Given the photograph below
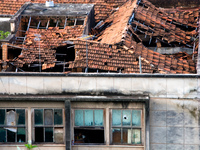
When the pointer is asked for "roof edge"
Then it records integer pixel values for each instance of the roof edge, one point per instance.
(57, 74)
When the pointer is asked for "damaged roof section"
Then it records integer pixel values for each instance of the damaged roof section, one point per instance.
(41, 40)
(122, 43)
(128, 27)
(108, 57)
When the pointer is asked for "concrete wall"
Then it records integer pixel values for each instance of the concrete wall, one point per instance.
(155, 86)
(174, 124)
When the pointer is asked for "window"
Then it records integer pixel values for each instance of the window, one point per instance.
(48, 125)
(126, 126)
(12, 125)
(88, 126)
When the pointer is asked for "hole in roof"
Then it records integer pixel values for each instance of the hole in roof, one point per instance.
(110, 56)
(105, 63)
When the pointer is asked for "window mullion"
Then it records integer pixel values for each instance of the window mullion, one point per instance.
(121, 126)
(43, 126)
(84, 117)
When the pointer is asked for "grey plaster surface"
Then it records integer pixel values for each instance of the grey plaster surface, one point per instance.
(35, 9)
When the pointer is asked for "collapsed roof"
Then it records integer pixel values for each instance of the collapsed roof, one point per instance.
(121, 43)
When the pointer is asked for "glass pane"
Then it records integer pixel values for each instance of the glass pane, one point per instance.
(48, 134)
(39, 134)
(38, 116)
(11, 118)
(126, 118)
(2, 135)
(48, 117)
(116, 117)
(116, 135)
(21, 135)
(88, 117)
(10, 136)
(21, 115)
(78, 117)
(2, 116)
(136, 117)
(58, 117)
(58, 135)
(98, 115)
(126, 136)
(136, 136)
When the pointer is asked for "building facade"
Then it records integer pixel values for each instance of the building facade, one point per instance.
(99, 111)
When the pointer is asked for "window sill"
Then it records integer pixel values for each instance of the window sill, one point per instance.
(39, 145)
(110, 146)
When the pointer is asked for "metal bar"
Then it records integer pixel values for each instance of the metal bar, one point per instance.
(57, 23)
(47, 24)
(75, 22)
(38, 24)
(29, 22)
(24, 39)
(21, 30)
(16, 47)
(65, 23)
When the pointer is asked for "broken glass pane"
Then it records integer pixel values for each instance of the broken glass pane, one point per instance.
(126, 118)
(116, 135)
(116, 117)
(21, 135)
(136, 136)
(2, 135)
(11, 118)
(88, 117)
(78, 117)
(48, 117)
(136, 118)
(10, 136)
(38, 116)
(58, 117)
(2, 116)
(126, 133)
(98, 115)
(58, 135)
(48, 134)
(21, 116)
(39, 134)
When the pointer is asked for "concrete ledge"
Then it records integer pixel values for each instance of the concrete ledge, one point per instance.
(58, 74)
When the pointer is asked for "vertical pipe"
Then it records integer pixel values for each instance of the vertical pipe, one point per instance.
(86, 70)
(39, 58)
(140, 64)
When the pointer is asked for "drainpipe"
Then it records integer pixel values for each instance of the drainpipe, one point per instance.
(140, 64)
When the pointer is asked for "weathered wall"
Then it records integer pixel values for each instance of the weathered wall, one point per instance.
(174, 124)
(155, 86)
(175, 3)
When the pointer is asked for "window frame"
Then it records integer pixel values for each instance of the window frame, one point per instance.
(88, 127)
(141, 127)
(47, 126)
(25, 126)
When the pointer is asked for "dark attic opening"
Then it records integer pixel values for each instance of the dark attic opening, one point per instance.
(64, 54)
